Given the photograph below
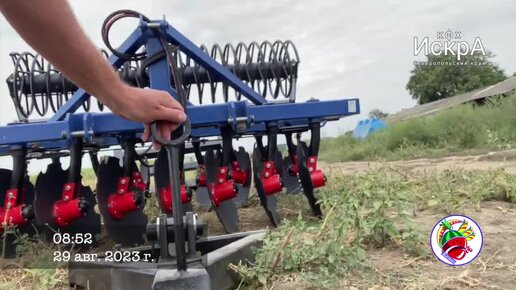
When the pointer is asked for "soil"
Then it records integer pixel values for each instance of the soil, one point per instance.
(494, 268)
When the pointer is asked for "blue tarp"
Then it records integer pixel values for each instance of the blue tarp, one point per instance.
(366, 127)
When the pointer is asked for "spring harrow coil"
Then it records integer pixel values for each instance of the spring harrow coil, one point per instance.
(36, 86)
(270, 68)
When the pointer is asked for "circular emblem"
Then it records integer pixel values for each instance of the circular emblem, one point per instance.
(456, 240)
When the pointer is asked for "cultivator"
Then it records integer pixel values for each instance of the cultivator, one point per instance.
(228, 92)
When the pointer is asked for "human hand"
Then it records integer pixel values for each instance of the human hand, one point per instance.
(147, 106)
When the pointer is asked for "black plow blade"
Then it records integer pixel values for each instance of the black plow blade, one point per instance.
(268, 202)
(306, 180)
(226, 211)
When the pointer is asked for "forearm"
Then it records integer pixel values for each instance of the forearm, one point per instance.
(50, 27)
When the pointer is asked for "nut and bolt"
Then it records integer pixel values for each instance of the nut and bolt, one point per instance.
(268, 165)
(221, 180)
(121, 191)
(222, 171)
(66, 198)
(122, 181)
(267, 174)
(68, 187)
(10, 195)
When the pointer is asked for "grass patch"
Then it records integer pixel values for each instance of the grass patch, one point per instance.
(365, 212)
(459, 130)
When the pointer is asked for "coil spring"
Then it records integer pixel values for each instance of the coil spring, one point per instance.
(30, 94)
(270, 68)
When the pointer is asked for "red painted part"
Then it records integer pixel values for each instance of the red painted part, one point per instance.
(223, 189)
(270, 178)
(317, 176)
(121, 203)
(11, 213)
(293, 169)
(65, 212)
(272, 184)
(239, 176)
(123, 200)
(12, 217)
(201, 177)
(138, 181)
(165, 194)
(67, 209)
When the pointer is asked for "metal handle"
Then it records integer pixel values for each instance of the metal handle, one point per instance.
(174, 142)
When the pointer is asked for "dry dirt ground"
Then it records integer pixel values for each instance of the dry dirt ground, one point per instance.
(495, 268)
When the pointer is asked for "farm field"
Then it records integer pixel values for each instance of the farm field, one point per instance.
(380, 251)
(375, 232)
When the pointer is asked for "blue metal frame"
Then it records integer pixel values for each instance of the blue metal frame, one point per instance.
(206, 120)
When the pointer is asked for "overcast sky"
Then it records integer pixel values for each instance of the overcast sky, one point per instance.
(358, 49)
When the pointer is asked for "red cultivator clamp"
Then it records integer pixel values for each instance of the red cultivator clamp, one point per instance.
(316, 175)
(69, 208)
(125, 200)
(16, 211)
(165, 196)
(271, 180)
(239, 175)
(223, 189)
(13, 213)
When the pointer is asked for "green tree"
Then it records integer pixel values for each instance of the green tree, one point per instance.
(378, 114)
(448, 77)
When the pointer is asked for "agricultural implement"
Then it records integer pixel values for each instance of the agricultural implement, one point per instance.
(228, 92)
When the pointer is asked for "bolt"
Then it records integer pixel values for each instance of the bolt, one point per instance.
(9, 206)
(310, 169)
(267, 174)
(222, 171)
(121, 191)
(221, 180)
(68, 187)
(268, 165)
(139, 180)
(11, 195)
(66, 198)
(122, 181)
(312, 160)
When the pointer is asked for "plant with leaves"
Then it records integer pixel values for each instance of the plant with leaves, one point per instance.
(446, 77)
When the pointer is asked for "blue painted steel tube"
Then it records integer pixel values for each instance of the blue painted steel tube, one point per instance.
(206, 116)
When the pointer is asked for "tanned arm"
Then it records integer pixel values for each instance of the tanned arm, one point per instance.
(50, 27)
